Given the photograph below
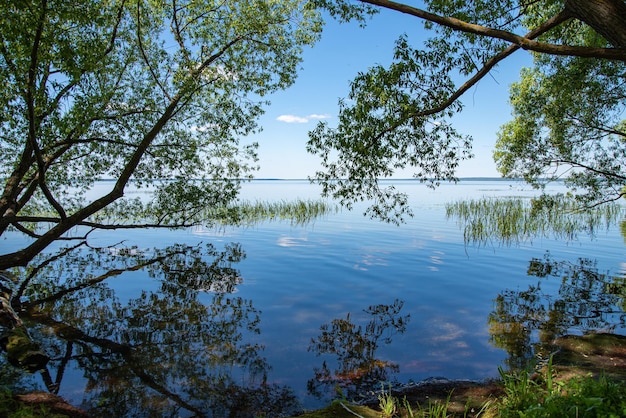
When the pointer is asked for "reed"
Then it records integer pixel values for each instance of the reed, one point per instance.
(247, 213)
(511, 221)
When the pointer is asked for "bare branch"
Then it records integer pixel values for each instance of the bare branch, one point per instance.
(24, 230)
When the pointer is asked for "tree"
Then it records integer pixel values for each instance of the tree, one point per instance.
(567, 124)
(400, 116)
(137, 91)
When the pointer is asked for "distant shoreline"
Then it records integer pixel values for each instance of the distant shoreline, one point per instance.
(407, 179)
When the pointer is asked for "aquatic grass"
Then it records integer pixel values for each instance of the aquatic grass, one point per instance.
(235, 213)
(511, 221)
(247, 213)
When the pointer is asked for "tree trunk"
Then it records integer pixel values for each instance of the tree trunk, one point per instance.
(607, 17)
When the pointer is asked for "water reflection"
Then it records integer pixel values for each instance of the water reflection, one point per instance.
(587, 301)
(165, 351)
(184, 343)
(354, 346)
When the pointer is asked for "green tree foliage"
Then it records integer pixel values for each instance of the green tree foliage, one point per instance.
(137, 91)
(568, 124)
(567, 108)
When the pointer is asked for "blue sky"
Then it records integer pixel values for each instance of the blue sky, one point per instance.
(328, 68)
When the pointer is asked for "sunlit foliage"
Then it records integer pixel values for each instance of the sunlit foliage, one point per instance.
(567, 110)
(138, 92)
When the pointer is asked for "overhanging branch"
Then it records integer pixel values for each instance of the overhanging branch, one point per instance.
(603, 173)
(482, 72)
(97, 225)
(521, 41)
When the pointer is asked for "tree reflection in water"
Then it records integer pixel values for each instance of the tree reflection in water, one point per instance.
(355, 346)
(587, 301)
(165, 352)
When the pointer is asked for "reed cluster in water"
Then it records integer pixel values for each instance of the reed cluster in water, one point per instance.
(514, 220)
(298, 212)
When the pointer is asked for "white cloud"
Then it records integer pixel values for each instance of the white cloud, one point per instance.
(292, 119)
(301, 119)
(316, 116)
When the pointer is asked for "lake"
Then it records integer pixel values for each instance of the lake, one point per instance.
(272, 318)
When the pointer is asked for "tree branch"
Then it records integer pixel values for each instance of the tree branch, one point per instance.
(489, 65)
(24, 255)
(145, 56)
(59, 96)
(33, 118)
(603, 173)
(521, 41)
(95, 225)
(605, 201)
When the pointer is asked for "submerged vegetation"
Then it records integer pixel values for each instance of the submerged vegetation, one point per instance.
(515, 220)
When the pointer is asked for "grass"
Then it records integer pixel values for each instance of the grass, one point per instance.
(525, 395)
(545, 396)
(388, 404)
(434, 409)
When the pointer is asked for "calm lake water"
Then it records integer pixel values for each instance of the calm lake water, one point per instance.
(278, 315)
